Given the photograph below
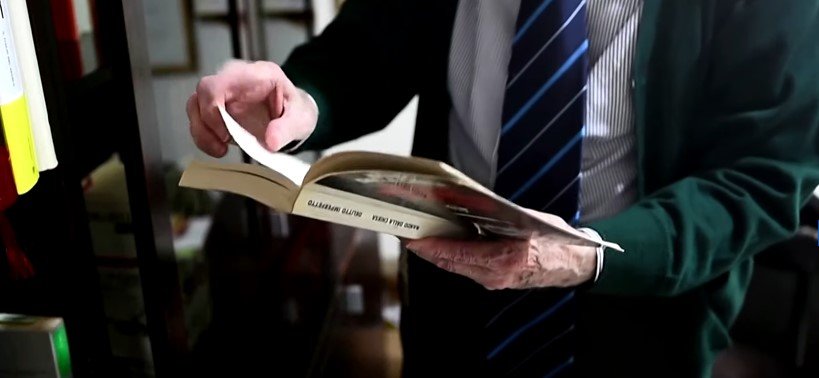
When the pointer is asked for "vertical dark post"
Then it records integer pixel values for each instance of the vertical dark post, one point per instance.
(53, 217)
(122, 42)
(309, 20)
(235, 23)
(258, 37)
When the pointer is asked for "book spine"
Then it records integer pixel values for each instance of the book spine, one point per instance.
(32, 84)
(349, 209)
(14, 109)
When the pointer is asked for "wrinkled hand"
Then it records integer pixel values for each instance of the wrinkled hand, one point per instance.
(260, 97)
(511, 264)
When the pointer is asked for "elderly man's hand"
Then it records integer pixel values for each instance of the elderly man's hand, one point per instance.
(511, 264)
(260, 97)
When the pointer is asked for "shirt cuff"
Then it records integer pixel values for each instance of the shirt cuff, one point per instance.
(600, 255)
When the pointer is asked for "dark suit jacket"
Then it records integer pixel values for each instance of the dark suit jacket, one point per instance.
(726, 100)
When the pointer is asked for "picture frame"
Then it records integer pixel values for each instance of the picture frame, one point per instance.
(172, 47)
(283, 6)
(206, 9)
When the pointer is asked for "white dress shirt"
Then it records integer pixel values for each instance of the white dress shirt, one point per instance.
(479, 56)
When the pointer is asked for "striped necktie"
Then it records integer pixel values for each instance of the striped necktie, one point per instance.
(531, 333)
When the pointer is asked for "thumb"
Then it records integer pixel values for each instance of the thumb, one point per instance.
(296, 123)
(277, 134)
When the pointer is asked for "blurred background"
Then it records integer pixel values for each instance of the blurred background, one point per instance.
(153, 280)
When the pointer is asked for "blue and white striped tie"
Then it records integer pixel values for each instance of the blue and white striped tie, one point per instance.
(531, 333)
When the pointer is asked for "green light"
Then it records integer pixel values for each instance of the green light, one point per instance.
(59, 340)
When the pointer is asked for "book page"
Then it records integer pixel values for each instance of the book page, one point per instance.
(289, 166)
(462, 203)
(414, 184)
(253, 181)
(377, 161)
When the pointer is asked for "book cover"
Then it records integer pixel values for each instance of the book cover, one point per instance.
(32, 85)
(404, 196)
(14, 110)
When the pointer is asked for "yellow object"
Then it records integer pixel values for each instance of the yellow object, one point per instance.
(32, 84)
(17, 130)
(14, 111)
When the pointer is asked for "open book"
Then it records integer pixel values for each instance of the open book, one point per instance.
(408, 197)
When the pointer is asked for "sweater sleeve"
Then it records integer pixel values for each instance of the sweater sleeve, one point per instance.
(763, 93)
(359, 70)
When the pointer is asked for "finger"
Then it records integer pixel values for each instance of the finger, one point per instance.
(503, 254)
(277, 102)
(203, 137)
(256, 82)
(250, 81)
(279, 131)
(483, 276)
(208, 143)
(211, 94)
(295, 123)
(449, 249)
(236, 82)
(475, 272)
